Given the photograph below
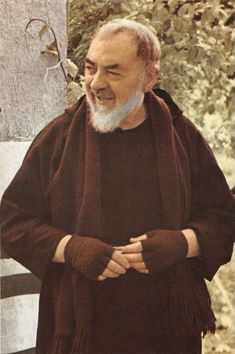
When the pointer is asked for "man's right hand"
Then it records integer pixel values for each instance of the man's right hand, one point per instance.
(94, 258)
(116, 266)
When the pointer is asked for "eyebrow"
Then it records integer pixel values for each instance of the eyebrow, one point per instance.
(89, 61)
(113, 66)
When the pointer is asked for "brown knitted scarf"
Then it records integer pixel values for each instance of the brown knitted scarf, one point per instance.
(184, 303)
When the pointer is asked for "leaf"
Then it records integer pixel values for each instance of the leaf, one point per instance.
(52, 46)
(161, 13)
(53, 52)
(43, 30)
(226, 321)
(223, 348)
(172, 5)
(183, 10)
(74, 91)
(72, 68)
(193, 53)
(207, 16)
(211, 108)
(220, 13)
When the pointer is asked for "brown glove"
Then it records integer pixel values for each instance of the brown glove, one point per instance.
(163, 248)
(88, 255)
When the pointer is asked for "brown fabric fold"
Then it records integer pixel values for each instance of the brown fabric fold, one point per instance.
(89, 221)
(73, 316)
(173, 165)
(183, 299)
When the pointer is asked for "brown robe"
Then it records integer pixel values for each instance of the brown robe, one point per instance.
(57, 192)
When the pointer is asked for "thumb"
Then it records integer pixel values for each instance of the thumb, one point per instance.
(139, 238)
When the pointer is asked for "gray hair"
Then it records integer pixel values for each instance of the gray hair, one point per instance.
(148, 47)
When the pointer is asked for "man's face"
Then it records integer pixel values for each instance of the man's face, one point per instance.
(113, 73)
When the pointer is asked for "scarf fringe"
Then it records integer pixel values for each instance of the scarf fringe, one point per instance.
(187, 312)
(60, 345)
(193, 313)
(76, 344)
(80, 344)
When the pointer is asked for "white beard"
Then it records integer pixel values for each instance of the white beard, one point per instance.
(107, 122)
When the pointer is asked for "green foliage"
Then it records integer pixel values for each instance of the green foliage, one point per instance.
(197, 63)
(84, 19)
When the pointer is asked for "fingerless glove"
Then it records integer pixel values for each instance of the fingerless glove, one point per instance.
(163, 248)
(88, 255)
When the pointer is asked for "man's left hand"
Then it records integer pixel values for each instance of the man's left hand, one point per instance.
(133, 252)
(156, 251)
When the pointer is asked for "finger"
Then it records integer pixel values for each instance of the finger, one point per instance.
(115, 267)
(118, 248)
(139, 238)
(134, 257)
(138, 265)
(109, 274)
(101, 277)
(146, 271)
(133, 248)
(120, 259)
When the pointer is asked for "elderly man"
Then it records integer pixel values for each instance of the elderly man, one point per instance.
(121, 210)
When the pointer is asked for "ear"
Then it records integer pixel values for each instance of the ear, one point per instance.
(151, 77)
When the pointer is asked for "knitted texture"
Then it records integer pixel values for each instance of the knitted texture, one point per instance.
(88, 255)
(164, 248)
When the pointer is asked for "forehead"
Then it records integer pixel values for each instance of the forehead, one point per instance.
(119, 49)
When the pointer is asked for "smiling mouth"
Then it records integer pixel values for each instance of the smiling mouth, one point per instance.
(100, 98)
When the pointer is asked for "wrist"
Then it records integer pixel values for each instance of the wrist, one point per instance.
(59, 252)
(193, 245)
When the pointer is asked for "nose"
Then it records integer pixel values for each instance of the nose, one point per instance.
(98, 81)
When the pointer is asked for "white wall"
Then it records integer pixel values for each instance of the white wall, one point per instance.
(27, 102)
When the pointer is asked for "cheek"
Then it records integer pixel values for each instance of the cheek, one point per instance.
(87, 81)
(125, 92)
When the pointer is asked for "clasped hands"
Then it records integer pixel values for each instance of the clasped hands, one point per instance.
(125, 257)
(148, 253)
